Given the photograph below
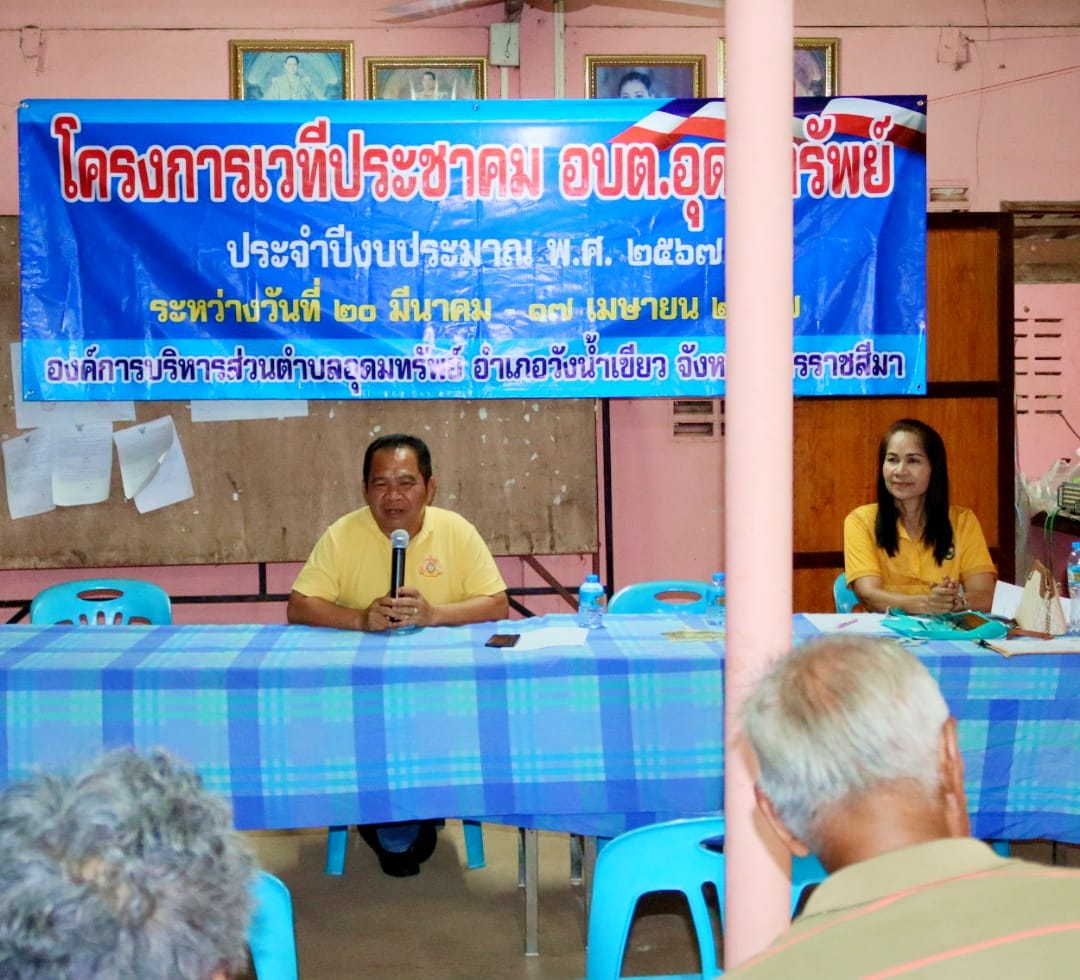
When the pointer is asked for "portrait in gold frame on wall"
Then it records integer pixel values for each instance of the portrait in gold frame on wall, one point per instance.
(291, 70)
(425, 79)
(645, 76)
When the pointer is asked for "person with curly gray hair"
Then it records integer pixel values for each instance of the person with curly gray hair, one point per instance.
(129, 870)
(859, 762)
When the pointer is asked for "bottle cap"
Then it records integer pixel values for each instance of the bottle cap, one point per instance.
(592, 578)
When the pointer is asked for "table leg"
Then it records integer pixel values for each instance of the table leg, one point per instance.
(532, 887)
(588, 867)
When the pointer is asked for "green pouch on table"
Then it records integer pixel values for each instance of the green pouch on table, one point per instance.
(948, 626)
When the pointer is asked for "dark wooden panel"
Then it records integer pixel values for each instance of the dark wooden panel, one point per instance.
(970, 371)
(962, 270)
(845, 433)
(523, 471)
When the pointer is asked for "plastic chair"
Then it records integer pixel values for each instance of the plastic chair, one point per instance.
(97, 601)
(679, 856)
(661, 596)
(337, 839)
(271, 937)
(664, 857)
(844, 598)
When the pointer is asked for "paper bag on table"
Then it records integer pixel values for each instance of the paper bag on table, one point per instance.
(1040, 609)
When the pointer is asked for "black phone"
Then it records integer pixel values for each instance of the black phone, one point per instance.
(502, 639)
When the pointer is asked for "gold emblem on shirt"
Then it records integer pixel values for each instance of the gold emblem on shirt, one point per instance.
(430, 567)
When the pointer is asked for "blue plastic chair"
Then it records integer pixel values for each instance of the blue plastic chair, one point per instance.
(843, 597)
(661, 596)
(337, 839)
(271, 937)
(97, 601)
(676, 856)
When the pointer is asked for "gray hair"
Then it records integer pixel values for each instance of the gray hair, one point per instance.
(130, 870)
(838, 716)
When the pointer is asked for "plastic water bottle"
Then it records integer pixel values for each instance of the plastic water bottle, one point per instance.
(591, 603)
(1074, 588)
(716, 601)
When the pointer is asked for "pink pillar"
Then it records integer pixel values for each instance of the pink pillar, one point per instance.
(758, 470)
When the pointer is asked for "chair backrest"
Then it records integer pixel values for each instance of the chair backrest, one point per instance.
(661, 596)
(97, 601)
(844, 599)
(663, 857)
(271, 937)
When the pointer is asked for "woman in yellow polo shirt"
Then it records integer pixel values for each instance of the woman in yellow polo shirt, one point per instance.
(912, 550)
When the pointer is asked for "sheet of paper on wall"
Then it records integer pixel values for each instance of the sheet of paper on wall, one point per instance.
(28, 474)
(152, 464)
(31, 415)
(239, 409)
(81, 462)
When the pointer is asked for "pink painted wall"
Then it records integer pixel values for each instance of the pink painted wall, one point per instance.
(997, 75)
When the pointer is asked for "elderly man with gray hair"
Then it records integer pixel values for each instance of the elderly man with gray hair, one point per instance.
(128, 871)
(859, 763)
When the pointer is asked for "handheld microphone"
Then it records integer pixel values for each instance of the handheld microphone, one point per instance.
(399, 541)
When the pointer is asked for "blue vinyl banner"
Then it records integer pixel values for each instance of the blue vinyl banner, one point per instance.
(385, 249)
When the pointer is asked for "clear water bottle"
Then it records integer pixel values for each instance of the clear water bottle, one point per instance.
(1074, 588)
(591, 603)
(716, 601)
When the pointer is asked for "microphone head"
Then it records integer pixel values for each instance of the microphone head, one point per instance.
(399, 538)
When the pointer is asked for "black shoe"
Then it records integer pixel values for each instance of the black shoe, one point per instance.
(426, 838)
(398, 864)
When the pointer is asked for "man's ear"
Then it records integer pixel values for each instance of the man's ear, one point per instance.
(951, 776)
(432, 486)
(787, 838)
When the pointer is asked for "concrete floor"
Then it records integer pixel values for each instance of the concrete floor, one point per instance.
(450, 922)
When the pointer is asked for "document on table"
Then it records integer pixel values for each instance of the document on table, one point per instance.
(152, 465)
(1027, 645)
(849, 623)
(552, 636)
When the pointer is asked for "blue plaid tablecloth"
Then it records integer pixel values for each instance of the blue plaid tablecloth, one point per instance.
(313, 727)
(308, 727)
(1018, 724)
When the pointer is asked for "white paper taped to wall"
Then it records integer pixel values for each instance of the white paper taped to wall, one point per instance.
(152, 464)
(28, 474)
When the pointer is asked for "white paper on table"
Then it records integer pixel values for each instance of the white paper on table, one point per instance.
(152, 465)
(1007, 598)
(864, 623)
(28, 474)
(81, 462)
(30, 415)
(1025, 645)
(553, 636)
(238, 409)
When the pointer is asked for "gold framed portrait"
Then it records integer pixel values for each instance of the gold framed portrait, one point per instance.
(291, 70)
(645, 76)
(425, 79)
(817, 66)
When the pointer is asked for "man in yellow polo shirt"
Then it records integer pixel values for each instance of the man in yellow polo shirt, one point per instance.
(450, 576)
(859, 763)
(450, 579)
